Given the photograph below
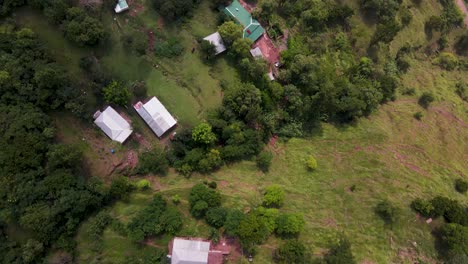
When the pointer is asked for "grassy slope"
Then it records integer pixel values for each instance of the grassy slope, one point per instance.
(390, 155)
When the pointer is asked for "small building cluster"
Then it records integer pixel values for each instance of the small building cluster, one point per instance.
(118, 129)
(121, 6)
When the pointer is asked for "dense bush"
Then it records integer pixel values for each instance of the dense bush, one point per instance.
(168, 48)
(216, 217)
(233, 219)
(153, 161)
(203, 198)
(289, 224)
(175, 9)
(311, 163)
(385, 10)
(81, 28)
(273, 196)
(263, 160)
(447, 61)
(230, 32)
(453, 238)
(117, 94)
(203, 134)
(423, 207)
(461, 185)
(426, 99)
(291, 251)
(143, 184)
(340, 253)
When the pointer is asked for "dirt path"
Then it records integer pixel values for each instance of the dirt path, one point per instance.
(464, 10)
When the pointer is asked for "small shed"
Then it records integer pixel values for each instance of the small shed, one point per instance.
(113, 124)
(216, 40)
(156, 116)
(121, 6)
(256, 53)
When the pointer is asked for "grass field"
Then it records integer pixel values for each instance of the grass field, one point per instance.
(389, 155)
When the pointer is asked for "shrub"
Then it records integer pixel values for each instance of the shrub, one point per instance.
(426, 99)
(418, 115)
(447, 61)
(169, 48)
(203, 134)
(117, 94)
(274, 196)
(264, 160)
(153, 161)
(292, 251)
(289, 224)
(462, 90)
(461, 185)
(409, 91)
(453, 237)
(176, 199)
(216, 217)
(387, 212)
(423, 207)
(143, 184)
(199, 209)
(440, 205)
(311, 163)
(202, 198)
(340, 253)
(120, 188)
(233, 219)
(213, 185)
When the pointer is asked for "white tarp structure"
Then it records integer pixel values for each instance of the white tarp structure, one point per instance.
(121, 6)
(115, 127)
(189, 251)
(256, 53)
(156, 116)
(216, 40)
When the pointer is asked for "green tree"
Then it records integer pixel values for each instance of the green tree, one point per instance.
(216, 217)
(241, 47)
(81, 28)
(32, 250)
(461, 185)
(252, 231)
(202, 198)
(203, 134)
(173, 9)
(230, 31)
(273, 196)
(289, 224)
(115, 93)
(426, 99)
(143, 184)
(263, 160)
(311, 163)
(423, 207)
(61, 156)
(153, 161)
(340, 253)
(291, 251)
(454, 238)
(208, 50)
(233, 219)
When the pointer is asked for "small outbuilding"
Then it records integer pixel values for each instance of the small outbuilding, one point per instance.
(256, 53)
(113, 124)
(216, 40)
(121, 6)
(156, 116)
(197, 251)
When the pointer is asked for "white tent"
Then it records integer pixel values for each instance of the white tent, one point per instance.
(115, 127)
(189, 251)
(217, 41)
(156, 116)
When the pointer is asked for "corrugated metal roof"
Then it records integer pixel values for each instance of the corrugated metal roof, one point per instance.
(217, 41)
(156, 116)
(113, 125)
(189, 251)
(252, 28)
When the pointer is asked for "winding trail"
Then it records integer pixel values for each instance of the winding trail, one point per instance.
(464, 10)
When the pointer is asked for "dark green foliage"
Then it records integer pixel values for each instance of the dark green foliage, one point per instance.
(116, 93)
(418, 115)
(461, 185)
(136, 42)
(230, 32)
(175, 9)
(216, 217)
(274, 196)
(139, 89)
(289, 224)
(252, 230)
(208, 50)
(426, 99)
(62, 156)
(454, 240)
(203, 198)
(120, 188)
(243, 102)
(168, 48)
(153, 161)
(81, 28)
(384, 10)
(462, 90)
(452, 211)
(387, 212)
(233, 219)
(213, 185)
(155, 219)
(447, 60)
(406, 16)
(423, 207)
(291, 251)
(263, 160)
(340, 253)
(97, 226)
(461, 45)
(386, 31)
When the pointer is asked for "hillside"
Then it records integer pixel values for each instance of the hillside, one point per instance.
(373, 146)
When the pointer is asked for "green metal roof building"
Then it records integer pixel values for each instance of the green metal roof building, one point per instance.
(252, 28)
